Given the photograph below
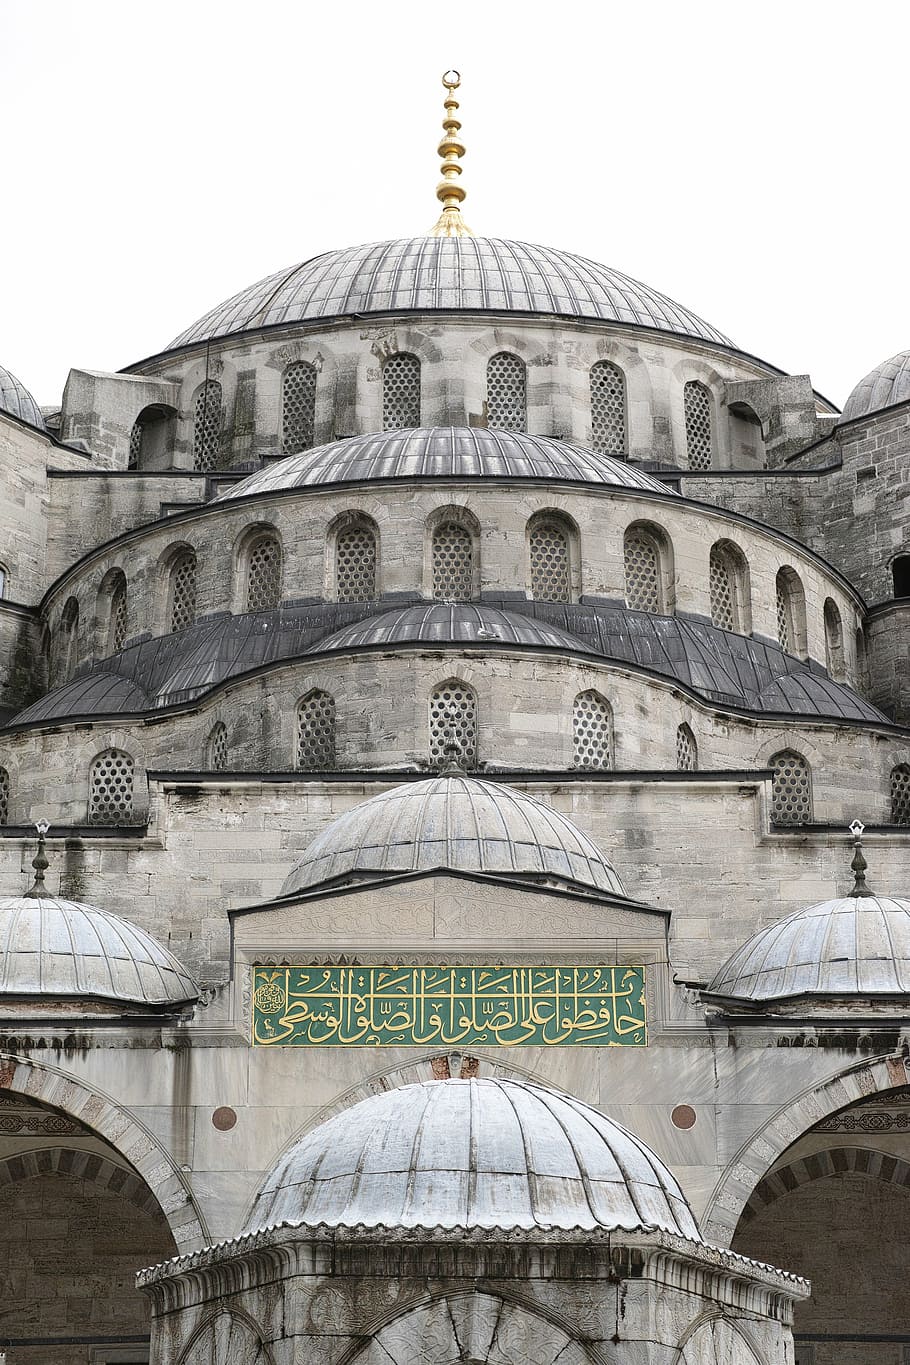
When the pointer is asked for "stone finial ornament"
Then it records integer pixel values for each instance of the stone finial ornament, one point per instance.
(39, 863)
(449, 192)
(858, 865)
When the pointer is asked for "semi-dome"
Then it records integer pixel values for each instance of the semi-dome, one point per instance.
(445, 453)
(887, 384)
(52, 949)
(473, 1154)
(16, 400)
(458, 824)
(447, 274)
(466, 623)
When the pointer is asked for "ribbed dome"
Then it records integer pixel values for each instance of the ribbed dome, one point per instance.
(445, 452)
(857, 945)
(53, 948)
(456, 823)
(422, 274)
(888, 383)
(16, 399)
(447, 623)
(473, 1154)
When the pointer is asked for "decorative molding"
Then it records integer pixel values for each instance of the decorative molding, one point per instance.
(820, 1166)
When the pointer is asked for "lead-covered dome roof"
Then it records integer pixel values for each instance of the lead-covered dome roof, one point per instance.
(16, 400)
(445, 452)
(458, 824)
(887, 384)
(447, 274)
(484, 1153)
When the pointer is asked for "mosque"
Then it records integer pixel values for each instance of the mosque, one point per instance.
(454, 818)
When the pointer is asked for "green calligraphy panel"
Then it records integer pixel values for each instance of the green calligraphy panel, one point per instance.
(601, 1006)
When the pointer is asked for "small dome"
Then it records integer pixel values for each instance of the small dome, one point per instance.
(16, 400)
(445, 453)
(473, 1154)
(459, 824)
(447, 623)
(857, 945)
(887, 384)
(447, 274)
(53, 948)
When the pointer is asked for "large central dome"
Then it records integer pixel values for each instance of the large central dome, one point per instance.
(446, 274)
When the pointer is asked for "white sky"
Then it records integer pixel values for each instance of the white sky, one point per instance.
(748, 160)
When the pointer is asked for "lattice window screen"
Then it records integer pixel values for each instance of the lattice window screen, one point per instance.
(453, 563)
(642, 566)
(316, 732)
(4, 797)
(784, 633)
(401, 391)
(183, 592)
(791, 789)
(135, 454)
(207, 426)
(110, 799)
(298, 408)
(506, 392)
(698, 425)
(723, 591)
(592, 731)
(67, 641)
(217, 748)
(686, 750)
(355, 565)
(117, 634)
(834, 640)
(548, 548)
(608, 409)
(453, 713)
(900, 795)
(263, 584)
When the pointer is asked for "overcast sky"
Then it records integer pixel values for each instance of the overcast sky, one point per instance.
(748, 160)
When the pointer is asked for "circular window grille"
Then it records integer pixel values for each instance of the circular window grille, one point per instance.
(608, 409)
(698, 425)
(900, 795)
(548, 547)
(642, 565)
(783, 619)
(506, 401)
(592, 731)
(135, 454)
(110, 800)
(453, 563)
(791, 790)
(401, 391)
(263, 587)
(453, 718)
(298, 408)
(4, 797)
(217, 748)
(316, 732)
(118, 618)
(183, 592)
(207, 426)
(686, 750)
(355, 565)
(723, 610)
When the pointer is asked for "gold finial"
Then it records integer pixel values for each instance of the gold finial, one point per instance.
(450, 194)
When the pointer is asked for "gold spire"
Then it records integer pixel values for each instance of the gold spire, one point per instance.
(450, 194)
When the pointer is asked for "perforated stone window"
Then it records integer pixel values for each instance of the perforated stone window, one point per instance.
(207, 426)
(183, 591)
(117, 632)
(791, 789)
(453, 563)
(453, 718)
(834, 640)
(900, 795)
(66, 651)
(642, 568)
(401, 391)
(592, 731)
(697, 402)
(316, 732)
(784, 634)
(686, 750)
(548, 548)
(355, 564)
(135, 454)
(263, 584)
(217, 748)
(110, 797)
(723, 591)
(506, 392)
(4, 797)
(608, 409)
(298, 408)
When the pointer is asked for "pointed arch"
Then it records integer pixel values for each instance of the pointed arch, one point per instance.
(400, 391)
(592, 731)
(263, 569)
(207, 426)
(507, 403)
(648, 564)
(453, 714)
(353, 544)
(791, 788)
(900, 794)
(216, 748)
(699, 424)
(729, 588)
(553, 557)
(110, 788)
(315, 742)
(181, 591)
(608, 409)
(298, 407)
(454, 555)
(834, 641)
(686, 749)
(790, 602)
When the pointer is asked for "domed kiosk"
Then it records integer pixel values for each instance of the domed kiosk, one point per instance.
(887, 384)
(16, 400)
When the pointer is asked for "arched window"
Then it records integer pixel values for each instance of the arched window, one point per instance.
(182, 592)
(263, 575)
(608, 409)
(862, 677)
(355, 563)
(699, 440)
(791, 789)
(900, 794)
(401, 391)
(453, 562)
(791, 611)
(548, 553)
(4, 580)
(728, 574)
(506, 392)
(67, 651)
(110, 791)
(135, 454)
(207, 418)
(686, 750)
(592, 731)
(316, 732)
(116, 632)
(900, 576)
(453, 720)
(216, 751)
(298, 407)
(834, 640)
(642, 555)
(4, 797)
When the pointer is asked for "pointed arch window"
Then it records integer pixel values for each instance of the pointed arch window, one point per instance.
(686, 750)
(453, 719)
(263, 577)
(4, 581)
(834, 640)
(67, 644)
(728, 577)
(298, 407)
(110, 798)
(507, 392)
(608, 409)
(216, 748)
(643, 557)
(699, 435)
(207, 422)
(182, 594)
(355, 563)
(548, 552)
(116, 635)
(790, 600)
(791, 789)
(315, 748)
(453, 563)
(4, 796)
(401, 391)
(592, 731)
(900, 794)
(134, 458)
